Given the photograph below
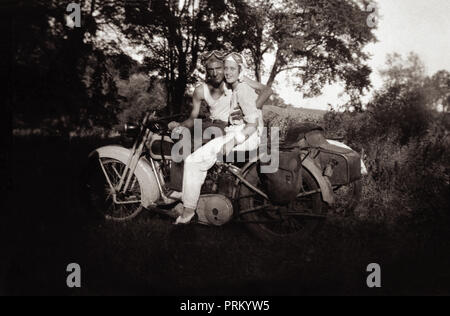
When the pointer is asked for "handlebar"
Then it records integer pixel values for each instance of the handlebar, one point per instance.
(167, 118)
(154, 125)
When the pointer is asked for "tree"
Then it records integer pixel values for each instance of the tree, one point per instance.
(139, 93)
(438, 91)
(51, 64)
(410, 73)
(402, 106)
(318, 41)
(400, 71)
(173, 34)
(400, 111)
(75, 68)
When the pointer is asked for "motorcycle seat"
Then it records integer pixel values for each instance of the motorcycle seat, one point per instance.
(297, 132)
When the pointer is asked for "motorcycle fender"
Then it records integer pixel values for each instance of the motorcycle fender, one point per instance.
(144, 172)
(324, 182)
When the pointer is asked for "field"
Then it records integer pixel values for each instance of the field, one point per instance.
(45, 227)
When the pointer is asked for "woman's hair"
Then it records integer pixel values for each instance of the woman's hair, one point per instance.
(239, 60)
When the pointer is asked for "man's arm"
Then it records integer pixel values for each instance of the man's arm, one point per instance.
(196, 104)
(264, 91)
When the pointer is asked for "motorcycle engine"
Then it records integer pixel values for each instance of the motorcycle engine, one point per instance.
(214, 209)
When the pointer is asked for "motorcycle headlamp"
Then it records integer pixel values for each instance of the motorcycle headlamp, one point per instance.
(131, 130)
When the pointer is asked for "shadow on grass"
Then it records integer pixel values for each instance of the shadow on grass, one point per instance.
(46, 228)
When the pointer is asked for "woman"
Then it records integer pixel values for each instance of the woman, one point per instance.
(247, 131)
(243, 134)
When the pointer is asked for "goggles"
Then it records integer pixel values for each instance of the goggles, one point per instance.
(216, 53)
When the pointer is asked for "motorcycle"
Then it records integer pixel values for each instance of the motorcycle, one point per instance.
(122, 182)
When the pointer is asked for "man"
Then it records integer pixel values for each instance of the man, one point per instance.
(217, 96)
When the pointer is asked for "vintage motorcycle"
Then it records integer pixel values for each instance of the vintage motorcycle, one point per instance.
(121, 182)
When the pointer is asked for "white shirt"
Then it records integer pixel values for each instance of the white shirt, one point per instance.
(220, 108)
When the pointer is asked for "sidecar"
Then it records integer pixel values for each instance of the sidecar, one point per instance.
(340, 164)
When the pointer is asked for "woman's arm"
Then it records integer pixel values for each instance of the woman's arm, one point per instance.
(240, 137)
(247, 99)
(264, 91)
(249, 129)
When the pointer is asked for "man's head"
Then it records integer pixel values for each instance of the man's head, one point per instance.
(213, 62)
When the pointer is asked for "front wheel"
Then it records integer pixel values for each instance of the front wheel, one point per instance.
(100, 192)
(300, 218)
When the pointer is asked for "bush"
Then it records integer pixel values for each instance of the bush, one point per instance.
(139, 95)
(427, 170)
(408, 165)
(401, 110)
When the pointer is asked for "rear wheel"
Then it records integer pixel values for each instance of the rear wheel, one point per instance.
(298, 219)
(100, 193)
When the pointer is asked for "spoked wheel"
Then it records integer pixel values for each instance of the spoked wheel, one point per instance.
(100, 194)
(298, 219)
(347, 198)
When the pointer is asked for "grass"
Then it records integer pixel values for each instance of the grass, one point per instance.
(45, 228)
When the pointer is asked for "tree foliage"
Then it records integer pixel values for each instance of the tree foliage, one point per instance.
(401, 111)
(399, 71)
(172, 35)
(410, 73)
(404, 108)
(137, 92)
(73, 73)
(437, 90)
(318, 41)
(60, 76)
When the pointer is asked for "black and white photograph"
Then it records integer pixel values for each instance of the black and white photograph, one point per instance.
(225, 152)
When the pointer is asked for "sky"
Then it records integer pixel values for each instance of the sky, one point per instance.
(420, 26)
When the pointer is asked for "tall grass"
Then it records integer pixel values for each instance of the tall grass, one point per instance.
(404, 179)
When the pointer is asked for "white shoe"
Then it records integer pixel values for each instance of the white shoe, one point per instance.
(175, 195)
(184, 219)
(176, 211)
